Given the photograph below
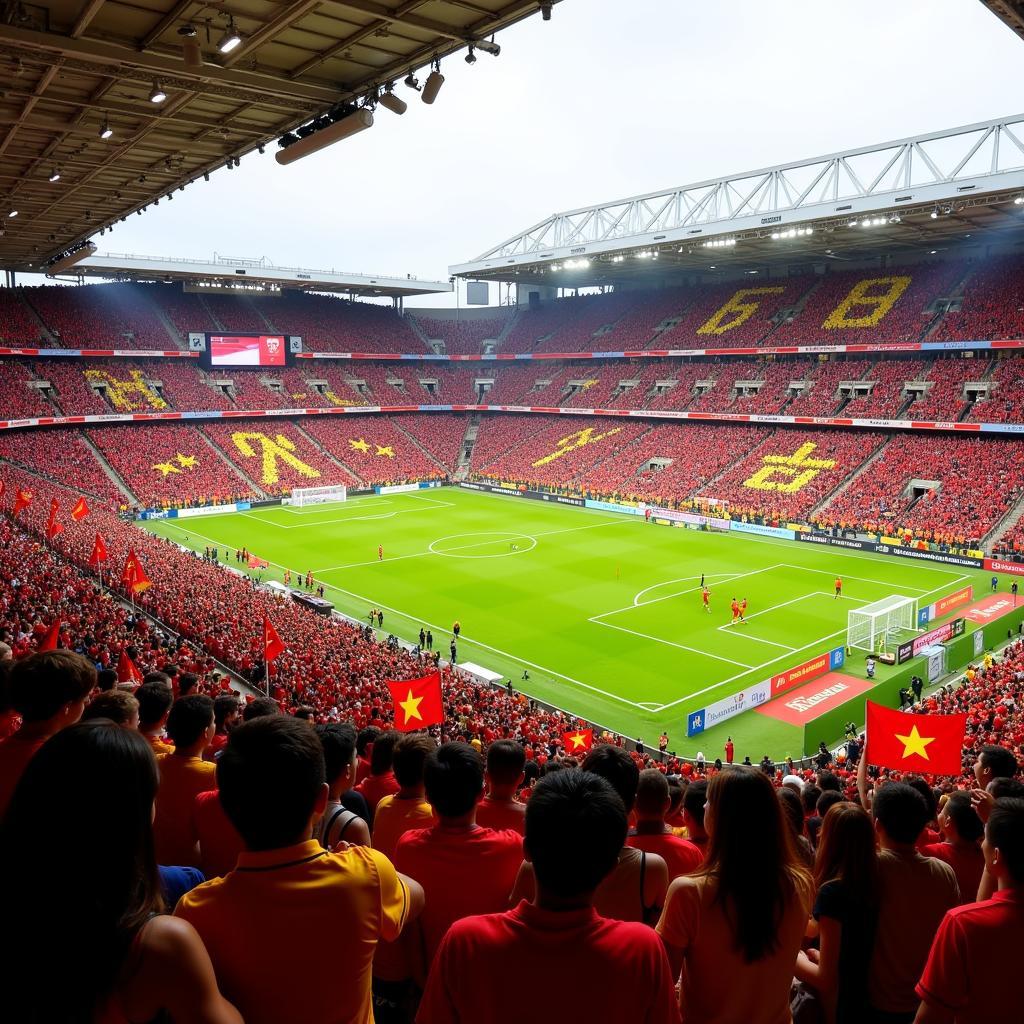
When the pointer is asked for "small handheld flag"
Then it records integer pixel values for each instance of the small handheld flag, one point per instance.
(417, 702)
(53, 527)
(51, 638)
(127, 670)
(134, 576)
(579, 741)
(80, 511)
(22, 499)
(272, 645)
(915, 743)
(99, 552)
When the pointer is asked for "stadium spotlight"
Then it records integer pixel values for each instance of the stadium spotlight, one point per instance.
(13, 213)
(390, 101)
(106, 131)
(432, 86)
(1018, 201)
(231, 39)
(357, 121)
(545, 9)
(895, 218)
(157, 95)
(470, 56)
(935, 213)
(488, 46)
(412, 81)
(55, 175)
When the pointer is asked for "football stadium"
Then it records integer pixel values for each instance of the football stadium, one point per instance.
(630, 610)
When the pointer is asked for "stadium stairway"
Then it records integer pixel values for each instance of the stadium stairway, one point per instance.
(507, 329)
(417, 329)
(34, 314)
(165, 320)
(327, 454)
(115, 477)
(249, 482)
(468, 444)
(956, 292)
(209, 312)
(991, 539)
(850, 480)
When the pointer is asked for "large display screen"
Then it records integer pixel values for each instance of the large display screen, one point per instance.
(247, 350)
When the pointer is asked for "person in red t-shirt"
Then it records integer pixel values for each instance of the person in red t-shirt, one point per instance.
(48, 689)
(705, 596)
(219, 841)
(381, 781)
(227, 713)
(971, 973)
(735, 608)
(652, 834)
(464, 869)
(499, 809)
(730, 750)
(491, 967)
(962, 831)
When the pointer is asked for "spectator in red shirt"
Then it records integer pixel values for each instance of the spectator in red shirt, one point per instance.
(227, 713)
(155, 700)
(491, 967)
(464, 869)
(971, 973)
(381, 781)
(120, 958)
(962, 831)
(499, 809)
(48, 690)
(652, 834)
(694, 801)
(364, 749)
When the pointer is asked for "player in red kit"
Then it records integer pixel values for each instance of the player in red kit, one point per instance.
(839, 588)
(705, 596)
(735, 610)
(743, 610)
(380, 552)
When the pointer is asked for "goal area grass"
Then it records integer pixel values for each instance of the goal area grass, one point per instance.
(603, 611)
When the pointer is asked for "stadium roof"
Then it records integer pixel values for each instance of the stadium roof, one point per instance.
(958, 189)
(221, 272)
(1009, 11)
(69, 69)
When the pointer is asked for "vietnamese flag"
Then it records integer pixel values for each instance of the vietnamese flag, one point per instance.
(52, 526)
(127, 670)
(272, 645)
(22, 499)
(134, 576)
(99, 551)
(80, 511)
(915, 743)
(417, 702)
(257, 563)
(580, 740)
(48, 641)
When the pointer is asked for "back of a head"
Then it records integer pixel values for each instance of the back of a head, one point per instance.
(106, 679)
(829, 798)
(365, 739)
(792, 809)
(42, 684)
(270, 777)
(261, 707)
(615, 766)
(829, 781)
(190, 717)
(505, 762)
(964, 817)
(901, 811)
(155, 700)
(187, 683)
(751, 853)
(117, 705)
(927, 794)
(454, 779)
(155, 676)
(846, 851)
(1003, 787)
(383, 752)
(338, 740)
(224, 706)
(652, 795)
(411, 752)
(809, 797)
(694, 800)
(1000, 761)
(1005, 833)
(107, 780)
(575, 829)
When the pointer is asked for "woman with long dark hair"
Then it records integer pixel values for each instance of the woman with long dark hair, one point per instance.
(84, 933)
(845, 912)
(734, 928)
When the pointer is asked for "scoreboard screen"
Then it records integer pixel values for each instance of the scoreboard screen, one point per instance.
(227, 350)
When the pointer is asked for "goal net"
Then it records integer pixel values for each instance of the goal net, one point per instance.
(872, 627)
(318, 495)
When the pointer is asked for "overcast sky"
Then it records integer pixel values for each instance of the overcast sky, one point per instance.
(608, 99)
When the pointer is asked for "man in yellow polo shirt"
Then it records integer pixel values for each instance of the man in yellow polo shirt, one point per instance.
(292, 930)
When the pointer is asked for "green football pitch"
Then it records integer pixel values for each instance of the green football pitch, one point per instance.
(602, 610)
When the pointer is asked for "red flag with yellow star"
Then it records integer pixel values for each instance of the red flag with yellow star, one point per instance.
(127, 670)
(134, 576)
(80, 511)
(22, 499)
(53, 525)
(273, 646)
(915, 743)
(579, 741)
(417, 702)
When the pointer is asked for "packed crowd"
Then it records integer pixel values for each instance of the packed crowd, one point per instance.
(462, 336)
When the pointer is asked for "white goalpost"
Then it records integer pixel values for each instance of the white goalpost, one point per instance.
(872, 627)
(318, 495)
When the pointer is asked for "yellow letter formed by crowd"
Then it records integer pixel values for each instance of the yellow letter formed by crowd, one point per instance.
(578, 440)
(739, 309)
(797, 470)
(860, 308)
(274, 450)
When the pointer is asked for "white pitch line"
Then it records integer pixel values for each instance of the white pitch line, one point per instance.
(672, 643)
(717, 578)
(860, 579)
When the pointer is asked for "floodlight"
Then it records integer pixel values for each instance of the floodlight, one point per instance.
(157, 95)
(432, 86)
(231, 39)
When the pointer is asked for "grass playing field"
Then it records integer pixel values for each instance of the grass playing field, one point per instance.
(602, 610)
